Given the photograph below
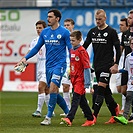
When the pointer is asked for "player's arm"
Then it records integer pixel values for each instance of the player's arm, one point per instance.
(114, 68)
(87, 77)
(122, 43)
(117, 47)
(67, 40)
(87, 71)
(126, 68)
(33, 51)
(37, 47)
(87, 41)
(68, 43)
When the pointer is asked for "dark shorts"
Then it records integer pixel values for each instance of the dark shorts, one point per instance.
(124, 78)
(103, 76)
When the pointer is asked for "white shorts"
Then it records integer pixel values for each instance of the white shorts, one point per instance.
(118, 79)
(41, 76)
(65, 81)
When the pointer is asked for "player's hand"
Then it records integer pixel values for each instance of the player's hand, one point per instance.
(21, 65)
(91, 90)
(114, 69)
(22, 60)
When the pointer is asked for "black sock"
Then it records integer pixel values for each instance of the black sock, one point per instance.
(111, 104)
(99, 100)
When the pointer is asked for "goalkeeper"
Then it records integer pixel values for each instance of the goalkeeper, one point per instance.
(56, 38)
(43, 91)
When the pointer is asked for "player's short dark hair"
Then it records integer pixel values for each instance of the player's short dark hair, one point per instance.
(70, 20)
(77, 34)
(124, 19)
(130, 12)
(41, 22)
(56, 12)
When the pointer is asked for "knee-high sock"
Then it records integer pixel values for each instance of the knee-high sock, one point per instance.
(66, 96)
(110, 102)
(128, 103)
(123, 102)
(61, 102)
(132, 108)
(99, 100)
(52, 103)
(47, 97)
(41, 98)
(94, 95)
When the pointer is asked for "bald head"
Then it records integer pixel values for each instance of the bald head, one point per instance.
(101, 12)
(100, 17)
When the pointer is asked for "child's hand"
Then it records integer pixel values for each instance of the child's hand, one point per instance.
(91, 90)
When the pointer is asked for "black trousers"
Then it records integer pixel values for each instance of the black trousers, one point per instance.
(82, 101)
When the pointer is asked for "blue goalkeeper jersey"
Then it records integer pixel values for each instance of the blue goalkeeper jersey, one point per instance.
(55, 42)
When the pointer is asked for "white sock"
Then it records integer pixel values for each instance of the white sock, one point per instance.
(123, 102)
(47, 99)
(41, 98)
(66, 96)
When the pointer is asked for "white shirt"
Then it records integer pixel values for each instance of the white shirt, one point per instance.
(41, 58)
(129, 68)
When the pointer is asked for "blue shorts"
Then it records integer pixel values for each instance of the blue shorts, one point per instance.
(55, 75)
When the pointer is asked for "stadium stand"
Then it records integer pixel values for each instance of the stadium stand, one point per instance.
(77, 2)
(66, 3)
(63, 2)
(128, 2)
(117, 3)
(90, 3)
(103, 2)
(17, 3)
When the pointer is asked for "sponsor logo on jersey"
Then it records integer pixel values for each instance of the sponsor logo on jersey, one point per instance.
(72, 55)
(103, 74)
(56, 77)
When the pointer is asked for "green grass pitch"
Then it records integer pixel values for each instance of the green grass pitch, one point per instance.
(16, 109)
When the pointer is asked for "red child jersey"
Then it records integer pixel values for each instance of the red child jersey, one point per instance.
(78, 62)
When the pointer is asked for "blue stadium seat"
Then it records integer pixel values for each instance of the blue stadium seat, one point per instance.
(128, 2)
(77, 2)
(117, 3)
(90, 2)
(103, 3)
(54, 2)
(63, 2)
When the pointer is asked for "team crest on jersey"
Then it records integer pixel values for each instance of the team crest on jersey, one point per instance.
(59, 36)
(105, 34)
(77, 58)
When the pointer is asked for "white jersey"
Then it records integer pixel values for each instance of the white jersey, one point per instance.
(129, 68)
(120, 36)
(41, 59)
(120, 66)
(122, 55)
